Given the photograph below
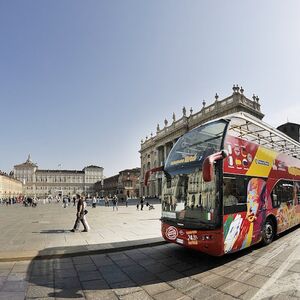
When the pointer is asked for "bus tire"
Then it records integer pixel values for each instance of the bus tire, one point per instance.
(268, 232)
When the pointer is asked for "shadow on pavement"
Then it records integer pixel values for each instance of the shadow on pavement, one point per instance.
(106, 275)
(52, 231)
(113, 273)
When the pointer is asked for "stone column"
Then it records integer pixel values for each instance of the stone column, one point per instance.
(165, 152)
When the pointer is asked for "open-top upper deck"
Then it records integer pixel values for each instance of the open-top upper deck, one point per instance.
(247, 127)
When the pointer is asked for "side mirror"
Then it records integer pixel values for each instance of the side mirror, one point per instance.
(150, 172)
(207, 167)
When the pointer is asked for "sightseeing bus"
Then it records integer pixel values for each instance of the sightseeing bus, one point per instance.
(228, 184)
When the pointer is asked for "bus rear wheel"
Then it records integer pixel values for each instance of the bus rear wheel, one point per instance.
(268, 232)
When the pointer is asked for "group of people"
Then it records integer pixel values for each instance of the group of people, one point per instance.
(28, 201)
(9, 201)
(139, 204)
(114, 201)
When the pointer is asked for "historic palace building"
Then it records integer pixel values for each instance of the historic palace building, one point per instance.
(52, 183)
(10, 187)
(154, 150)
(124, 185)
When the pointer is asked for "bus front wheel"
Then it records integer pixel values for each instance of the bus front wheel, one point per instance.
(268, 232)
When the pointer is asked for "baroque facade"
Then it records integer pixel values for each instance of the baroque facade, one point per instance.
(124, 185)
(10, 187)
(51, 183)
(154, 150)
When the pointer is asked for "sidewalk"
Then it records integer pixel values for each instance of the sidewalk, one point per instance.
(44, 231)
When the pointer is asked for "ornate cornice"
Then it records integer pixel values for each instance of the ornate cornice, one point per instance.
(233, 103)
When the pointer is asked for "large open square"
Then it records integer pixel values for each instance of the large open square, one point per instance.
(150, 150)
(26, 231)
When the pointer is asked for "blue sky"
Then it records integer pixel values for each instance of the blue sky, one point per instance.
(82, 82)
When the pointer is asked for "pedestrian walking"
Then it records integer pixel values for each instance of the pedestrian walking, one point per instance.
(142, 202)
(94, 202)
(34, 202)
(65, 203)
(81, 215)
(106, 203)
(115, 202)
(126, 201)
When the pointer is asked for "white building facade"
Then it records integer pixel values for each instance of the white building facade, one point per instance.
(52, 183)
(10, 187)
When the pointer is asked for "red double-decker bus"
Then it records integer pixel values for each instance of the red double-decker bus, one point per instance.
(229, 184)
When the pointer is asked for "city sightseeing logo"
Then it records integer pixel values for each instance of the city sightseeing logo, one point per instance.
(171, 233)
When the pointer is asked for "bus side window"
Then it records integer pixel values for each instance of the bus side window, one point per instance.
(235, 190)
(276, 195)
(288, 192)
(229, 191)
(242, 183)
(282, 193)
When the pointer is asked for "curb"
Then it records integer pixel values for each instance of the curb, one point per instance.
(62, 252)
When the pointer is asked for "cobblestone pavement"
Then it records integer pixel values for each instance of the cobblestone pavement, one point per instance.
(160, 272)
(163, 272)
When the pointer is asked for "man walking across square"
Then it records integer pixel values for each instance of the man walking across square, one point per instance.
(80, 215)
(115, 202)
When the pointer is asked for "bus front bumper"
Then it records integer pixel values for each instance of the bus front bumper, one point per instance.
(207, 241)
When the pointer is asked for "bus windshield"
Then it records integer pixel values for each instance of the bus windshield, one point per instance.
(192, 148)
(186, 199)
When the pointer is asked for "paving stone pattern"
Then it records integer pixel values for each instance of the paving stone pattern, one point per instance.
(153, 273)
(156, 272)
